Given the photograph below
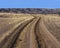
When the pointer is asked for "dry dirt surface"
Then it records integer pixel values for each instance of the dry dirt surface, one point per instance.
(29, 31)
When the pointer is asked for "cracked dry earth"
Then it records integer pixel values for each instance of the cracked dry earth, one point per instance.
(29, 31)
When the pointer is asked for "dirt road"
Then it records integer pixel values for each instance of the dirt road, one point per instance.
(30, 32)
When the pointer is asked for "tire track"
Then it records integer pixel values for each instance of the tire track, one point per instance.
(27, 37)
(48, 40)
(12, 38)
(37, 33)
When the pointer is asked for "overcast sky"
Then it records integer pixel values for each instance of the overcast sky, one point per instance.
(29, 3)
